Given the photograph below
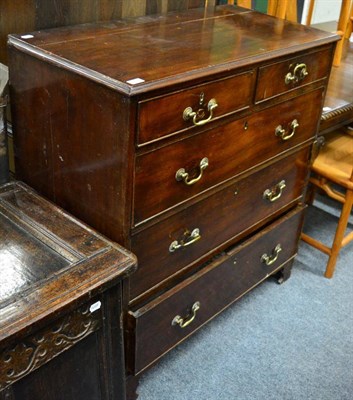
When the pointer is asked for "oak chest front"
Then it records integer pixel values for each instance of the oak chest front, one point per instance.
(60, 303)
(186, 138)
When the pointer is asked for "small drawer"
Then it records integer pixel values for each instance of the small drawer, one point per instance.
(295, 72)
(166, 321)
(179, 171)
(165, 115)
(163, 249)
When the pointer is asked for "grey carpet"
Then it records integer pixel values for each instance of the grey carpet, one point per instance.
(279, 342)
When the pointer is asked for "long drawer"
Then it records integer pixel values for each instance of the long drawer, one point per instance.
(163, 323)
(166, 247)
(229, 150)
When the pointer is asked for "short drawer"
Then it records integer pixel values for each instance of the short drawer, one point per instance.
(164, 248)
(162, 116)
(292, 73)
(229, 150)
(166, 321)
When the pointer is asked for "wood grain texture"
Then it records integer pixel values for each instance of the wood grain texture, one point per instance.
(91, 165)
(231, 149)
(215, 287)
(97, 146)
(15, 17)
(36, 350)
(238, 209)
(33, 15)
(153, 125)
(272, 80)
(92, 368)
(47, 269)
(176, 54)
(60, 303)
(338, 106)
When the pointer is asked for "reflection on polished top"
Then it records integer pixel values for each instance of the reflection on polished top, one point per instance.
(15, 259)
(48, 258)
(147, 52)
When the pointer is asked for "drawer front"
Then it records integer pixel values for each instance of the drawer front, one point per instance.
(290, 74)
(163, 116)
(229, 149)
(206, 225)
(209, 291)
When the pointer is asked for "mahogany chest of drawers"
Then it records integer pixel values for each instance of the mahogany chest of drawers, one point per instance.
(60, 303)
(184, 137)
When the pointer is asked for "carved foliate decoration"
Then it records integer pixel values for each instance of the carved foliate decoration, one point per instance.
(35, 350)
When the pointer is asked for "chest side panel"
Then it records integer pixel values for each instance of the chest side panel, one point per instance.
(73, 142)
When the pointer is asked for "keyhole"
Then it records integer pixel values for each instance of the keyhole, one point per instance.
(202, 98)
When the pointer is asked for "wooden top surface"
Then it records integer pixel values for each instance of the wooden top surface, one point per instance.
(169, 49)
(48, 259)
(340, 87)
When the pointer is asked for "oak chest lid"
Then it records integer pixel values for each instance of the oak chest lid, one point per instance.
(49, 260)
(137, 55)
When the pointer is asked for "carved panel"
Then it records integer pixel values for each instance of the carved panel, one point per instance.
(37, 349)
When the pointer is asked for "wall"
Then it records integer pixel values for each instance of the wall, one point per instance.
(324, 11)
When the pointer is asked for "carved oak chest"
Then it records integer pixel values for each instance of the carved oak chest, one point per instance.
(186, 138)
(60, 303)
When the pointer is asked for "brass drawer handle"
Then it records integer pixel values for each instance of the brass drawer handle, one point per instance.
(274, 193)
(299, 73)
(189, 113)
(282, 133)
(270, 259)
(182, 175)
(184, 322)
(190, 238)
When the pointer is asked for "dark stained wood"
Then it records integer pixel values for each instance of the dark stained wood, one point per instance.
(32, 15)
(272, 78)
(177, 53)
(78, 382)
(79, 251)
(153, 124)
(284, 274)
(228, 213)
(54, 269)
(338, 107)
(231, 149)
(215, 287)
(16, 16)
(97, 146)
(91, 165)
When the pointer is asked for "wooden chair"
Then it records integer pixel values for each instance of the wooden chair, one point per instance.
(344, 26)
(333, 173)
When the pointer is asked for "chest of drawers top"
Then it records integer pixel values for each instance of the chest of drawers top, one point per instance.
(135, 56)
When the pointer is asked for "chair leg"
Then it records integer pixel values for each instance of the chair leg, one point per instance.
(341, 30)
(340, 231)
